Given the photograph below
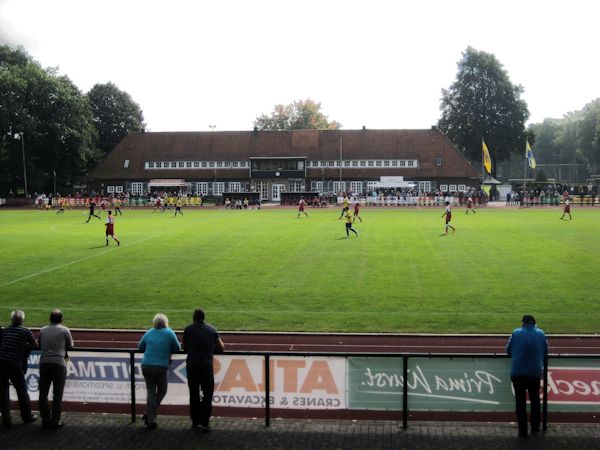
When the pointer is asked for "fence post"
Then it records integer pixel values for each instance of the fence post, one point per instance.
(545, 395)
(405, 392)
(267, 390)
(132, 383)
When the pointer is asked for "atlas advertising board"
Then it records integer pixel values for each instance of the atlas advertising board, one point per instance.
(434, 384)
(295, 382)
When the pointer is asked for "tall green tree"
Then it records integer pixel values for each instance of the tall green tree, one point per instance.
(589, 135)
(299, 115)
(53, 119)
(483, 103)
(115, 114)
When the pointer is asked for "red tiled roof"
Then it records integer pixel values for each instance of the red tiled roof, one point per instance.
(320, 145)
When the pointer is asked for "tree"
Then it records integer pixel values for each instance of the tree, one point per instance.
(54, 118)
(589, 134)
(115, 115)
(299, 115)
(483, 103)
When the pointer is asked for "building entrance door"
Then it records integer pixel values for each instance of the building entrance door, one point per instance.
(263, 189)
(276, 190)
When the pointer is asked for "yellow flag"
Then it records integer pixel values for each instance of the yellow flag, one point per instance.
(529, 155)
(487, 161)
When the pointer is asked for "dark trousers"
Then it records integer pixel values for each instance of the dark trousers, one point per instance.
(55, 375)
(157, 382)
(10, 372)
(200, 377)
(530, 386)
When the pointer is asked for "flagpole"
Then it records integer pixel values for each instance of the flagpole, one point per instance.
(525, 170)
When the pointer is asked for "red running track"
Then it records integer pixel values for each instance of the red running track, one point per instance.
(362, 343)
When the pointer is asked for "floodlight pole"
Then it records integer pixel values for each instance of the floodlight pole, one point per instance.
(21, 137)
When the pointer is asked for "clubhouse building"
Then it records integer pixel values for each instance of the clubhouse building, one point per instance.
(269, 163)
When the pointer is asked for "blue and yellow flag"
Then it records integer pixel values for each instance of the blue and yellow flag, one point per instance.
(487, 161)
(529, 155)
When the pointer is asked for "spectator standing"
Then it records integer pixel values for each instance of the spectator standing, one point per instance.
(15, 344)
(158, 343)
(201, 341)
(527, 348)
(55, 343)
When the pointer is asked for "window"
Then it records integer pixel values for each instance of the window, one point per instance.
(196, 164)
(125, 164)
(338, 164)
(339, 186)
(378, 163)
(386, 164)
(137, 188)
(331, 163)
(444, 187)
(371, 163)
(346, 163)
(188, 164)
(410, 163)
(462, 188)
(363, 164)
(211, 164)
(118, 189)
(402, 163)
(300, 165)
(394, 163)
(110, 189)
(356, 186)
(439, 161)
(202, 188)
(219, 163)
(204, 164)
(371, 185)
(150, 165)
(234, 186)
(452, 188)
(354, 163)
(234, 164)
(424, 186)
(296, 186)
(316, 186)
(173, 165)
(218, 187)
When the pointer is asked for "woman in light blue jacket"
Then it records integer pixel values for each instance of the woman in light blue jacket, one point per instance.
(158, 344)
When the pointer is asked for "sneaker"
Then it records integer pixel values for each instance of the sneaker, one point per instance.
(30, 419)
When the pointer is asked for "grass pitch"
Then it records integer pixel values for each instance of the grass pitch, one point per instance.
(266, 270)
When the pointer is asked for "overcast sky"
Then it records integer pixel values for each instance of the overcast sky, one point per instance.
(192, 63)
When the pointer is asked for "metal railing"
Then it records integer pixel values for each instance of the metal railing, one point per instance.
(405, 358)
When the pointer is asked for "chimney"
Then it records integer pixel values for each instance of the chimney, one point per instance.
(434, 128)
(364, 128)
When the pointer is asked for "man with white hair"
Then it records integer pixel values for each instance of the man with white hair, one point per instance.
(15, 345)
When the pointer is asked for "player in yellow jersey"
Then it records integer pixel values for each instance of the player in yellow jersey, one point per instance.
(178, 207)
(345, 208)
(349, 224)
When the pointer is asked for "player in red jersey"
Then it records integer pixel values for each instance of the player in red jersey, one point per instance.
(567, 209)
(110, 228)
(448, 215)
(301, 205)
(356, 211)
(470, 205)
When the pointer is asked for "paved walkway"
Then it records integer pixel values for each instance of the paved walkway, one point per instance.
(109, 431)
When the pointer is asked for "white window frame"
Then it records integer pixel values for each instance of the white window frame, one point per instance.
(119, 189)
(347, 163)
(110, 189)
(356, 186)
(126, 164)
(211, 164)
(363, 164)
(354, 163)
(386, 163)
(410, 163)
(235, 186)
(371, 163)
(218, 187)
(339, 186)
(462, 188)
(202, 188)
(424, 186)
(444, 187)
(395, 163)
(317, 186)
(378, 163)
(150, 165)
(203, 164)
(402, 163)
(295, 186)
(137, 187)
(219, 164)
(173, 165)
(371, 185)
(234, 164)
(452, 188)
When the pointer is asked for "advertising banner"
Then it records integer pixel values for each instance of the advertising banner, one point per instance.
(296, 382)
(573, 385)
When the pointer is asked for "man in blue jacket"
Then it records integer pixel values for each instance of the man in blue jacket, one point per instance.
(527, 348)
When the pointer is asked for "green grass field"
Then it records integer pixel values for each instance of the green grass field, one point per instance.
(266, 270)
